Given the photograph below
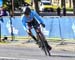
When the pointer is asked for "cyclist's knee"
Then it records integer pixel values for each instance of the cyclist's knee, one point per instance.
(38, 31)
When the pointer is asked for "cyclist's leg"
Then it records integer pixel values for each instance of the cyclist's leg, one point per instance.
(31, 34)
(48, 46)
(39, 31)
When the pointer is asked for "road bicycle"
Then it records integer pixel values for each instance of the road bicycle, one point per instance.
(43, 44)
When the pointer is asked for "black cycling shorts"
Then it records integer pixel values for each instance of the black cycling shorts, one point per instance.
(33, 24)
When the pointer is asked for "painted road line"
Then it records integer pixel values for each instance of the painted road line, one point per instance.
(13, 58)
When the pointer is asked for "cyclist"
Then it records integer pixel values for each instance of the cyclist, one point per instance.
(30, 19)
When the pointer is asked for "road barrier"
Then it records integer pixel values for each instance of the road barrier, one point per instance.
(56, 27)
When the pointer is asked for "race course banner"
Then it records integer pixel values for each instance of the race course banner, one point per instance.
(56, 27)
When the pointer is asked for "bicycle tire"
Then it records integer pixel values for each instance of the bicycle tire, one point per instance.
(46, 50)
(43, 45)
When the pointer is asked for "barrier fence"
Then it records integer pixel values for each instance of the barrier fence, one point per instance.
(56, 27)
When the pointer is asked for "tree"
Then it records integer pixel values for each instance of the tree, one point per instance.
(62, 3)
(69, 3)
(74, 6)
(7, 4)
(36, 6)
(18, 3)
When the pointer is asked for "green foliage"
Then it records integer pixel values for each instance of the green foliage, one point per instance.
(39, 0)
(69, 9)
(16, 3)
(8, 4)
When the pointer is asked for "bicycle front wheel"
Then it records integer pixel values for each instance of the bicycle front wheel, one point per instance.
(43, 45)
(45, 48)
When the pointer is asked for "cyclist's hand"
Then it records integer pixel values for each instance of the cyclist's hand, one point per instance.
(43, 25)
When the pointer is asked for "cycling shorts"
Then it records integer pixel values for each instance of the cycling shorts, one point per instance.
(33, 24)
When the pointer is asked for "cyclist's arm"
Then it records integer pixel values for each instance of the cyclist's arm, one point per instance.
(24, 23)
(39, 18)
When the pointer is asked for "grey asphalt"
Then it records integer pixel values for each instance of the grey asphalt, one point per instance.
(28, 50)
(26, 53)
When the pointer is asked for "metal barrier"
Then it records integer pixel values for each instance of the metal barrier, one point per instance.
(56, 27)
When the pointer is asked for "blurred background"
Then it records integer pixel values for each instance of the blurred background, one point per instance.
(50, 10)
(41, 6)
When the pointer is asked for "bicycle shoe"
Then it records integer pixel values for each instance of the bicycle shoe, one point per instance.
(49, 47)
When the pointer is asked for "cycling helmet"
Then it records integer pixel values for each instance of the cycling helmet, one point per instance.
(27, 11)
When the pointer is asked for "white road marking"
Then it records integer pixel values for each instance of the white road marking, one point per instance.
(12, 58)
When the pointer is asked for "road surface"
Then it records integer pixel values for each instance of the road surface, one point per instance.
(32, 52)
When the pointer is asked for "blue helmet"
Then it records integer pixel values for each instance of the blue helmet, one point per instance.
(27, 11)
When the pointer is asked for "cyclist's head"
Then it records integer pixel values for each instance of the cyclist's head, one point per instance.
(27, 11)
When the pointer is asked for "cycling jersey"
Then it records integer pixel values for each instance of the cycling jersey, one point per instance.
(33, 14)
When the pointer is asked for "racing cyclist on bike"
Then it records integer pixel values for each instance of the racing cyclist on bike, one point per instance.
(30, 19)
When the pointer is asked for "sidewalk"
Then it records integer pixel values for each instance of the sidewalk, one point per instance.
(67, 46)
